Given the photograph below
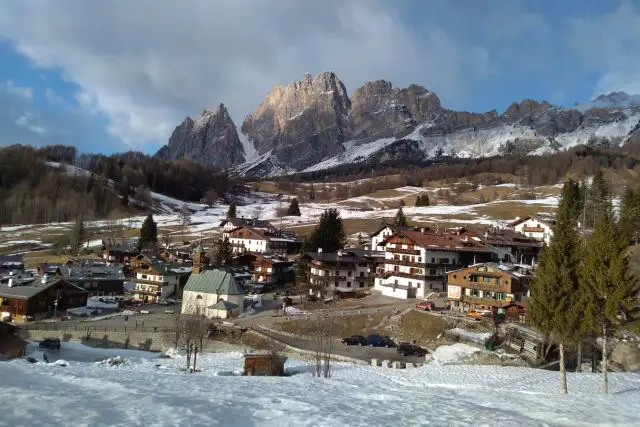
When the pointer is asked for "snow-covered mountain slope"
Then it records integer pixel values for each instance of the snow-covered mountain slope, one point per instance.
(472, 142)
(146, 389)
(611, 100)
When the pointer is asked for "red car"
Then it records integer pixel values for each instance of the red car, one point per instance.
(426, 306)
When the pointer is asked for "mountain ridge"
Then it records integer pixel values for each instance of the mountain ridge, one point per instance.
(313, 123)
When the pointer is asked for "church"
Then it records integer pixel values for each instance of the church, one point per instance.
(214, 293)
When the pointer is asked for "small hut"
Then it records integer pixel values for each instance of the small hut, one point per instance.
(266, 364)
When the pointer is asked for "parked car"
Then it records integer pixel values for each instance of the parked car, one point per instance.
(166, 301)
(426, 306)
(410, 349)
(50, 344)
(376, 340)
(354, 340)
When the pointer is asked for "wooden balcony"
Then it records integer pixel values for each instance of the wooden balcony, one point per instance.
(150, 293)
(414, 276)
(487, 302)
(490, 287)
(403, 251)
(403, 262)
(151, 282)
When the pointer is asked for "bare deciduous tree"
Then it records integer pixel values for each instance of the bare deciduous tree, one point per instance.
(190, 335)
(322, 338)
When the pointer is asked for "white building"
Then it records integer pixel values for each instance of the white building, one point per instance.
(259, 240)
(384, 233)
(416, 262)
(157, 281)
(233, 223)
(214, 293)
(534, 227)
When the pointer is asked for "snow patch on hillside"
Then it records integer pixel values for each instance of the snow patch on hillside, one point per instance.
(250, 152)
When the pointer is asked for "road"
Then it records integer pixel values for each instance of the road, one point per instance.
(356, 352)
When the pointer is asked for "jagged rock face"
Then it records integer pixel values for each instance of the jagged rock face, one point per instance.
(526, 108)
(211, 138)
(302, 122)
(378, 110)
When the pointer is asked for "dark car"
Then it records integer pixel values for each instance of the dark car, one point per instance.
(354, 340)
(50, 344)
(410, 349)
(375, 340)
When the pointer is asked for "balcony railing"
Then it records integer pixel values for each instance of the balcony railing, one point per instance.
(489, 302)
(403, 262)
(151, 282)
(141, 292)
(388, 274)
(403, 251)
(490, 287)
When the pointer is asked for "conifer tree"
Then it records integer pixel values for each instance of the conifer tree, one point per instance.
(224, 254)
(599, 195)
(400, 220)
(231, 213)
(148, 232)
(422, 200)
(294, 208)
(607, 287)
(555, 283)
(329, 234)
(630, 215)
(571, 193)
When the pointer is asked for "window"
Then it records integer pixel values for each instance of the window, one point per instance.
(349, 273)
(410, 285)
(362, 274)
(433, 260)
(362, 284)
(419, 259)
(335, 284)
(348, 284)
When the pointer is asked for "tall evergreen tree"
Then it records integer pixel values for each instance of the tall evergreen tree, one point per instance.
(630, 215)
(329, 234)
(555, 283)
(294, 208)
(148, 232)
(571, 193)
(224, 254)
(608, 289)
(231, 213)
(599, 195)
(400, 220)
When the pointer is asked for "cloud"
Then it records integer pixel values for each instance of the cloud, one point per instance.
(22, 91)
(610, 44)
(145, 64)
(29, 121)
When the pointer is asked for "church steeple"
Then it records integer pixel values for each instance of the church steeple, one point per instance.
(198, 260)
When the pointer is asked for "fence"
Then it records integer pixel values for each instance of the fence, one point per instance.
(95, 328)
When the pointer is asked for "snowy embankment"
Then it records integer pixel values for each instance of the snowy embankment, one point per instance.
(145, 389)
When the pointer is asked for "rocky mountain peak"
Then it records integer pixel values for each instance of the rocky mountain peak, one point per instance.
(309, 115)
(526, 107)
(380, 110)
(211, 138)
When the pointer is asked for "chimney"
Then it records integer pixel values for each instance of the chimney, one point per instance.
(319, 250)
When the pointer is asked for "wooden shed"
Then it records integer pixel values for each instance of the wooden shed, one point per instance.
(264, 364)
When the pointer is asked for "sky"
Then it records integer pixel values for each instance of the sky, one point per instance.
(120, 75)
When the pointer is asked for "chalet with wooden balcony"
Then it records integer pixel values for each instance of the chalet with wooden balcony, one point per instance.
(120, 254)
(159, 280)
(342, 273)
(540, 229)
(491, 286)
(231, 224)
(417, 261)
(272, 270)
(508, 245)
(92, 275)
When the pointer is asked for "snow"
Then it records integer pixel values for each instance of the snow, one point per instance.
(155, 392)
(454, 354)
(477, 337)
(250, 152)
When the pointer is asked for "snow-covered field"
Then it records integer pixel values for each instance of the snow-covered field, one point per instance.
(149, 391)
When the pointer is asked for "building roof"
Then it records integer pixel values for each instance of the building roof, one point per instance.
(126, 248)
(167, 269)
(213, 282)
(514, 270)
(239, 222)
(394, 228)
(345, 255)
(442, 241)
(31, 289)
(548, 222)
(11, 260)
(505, 237)
(223, 305)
